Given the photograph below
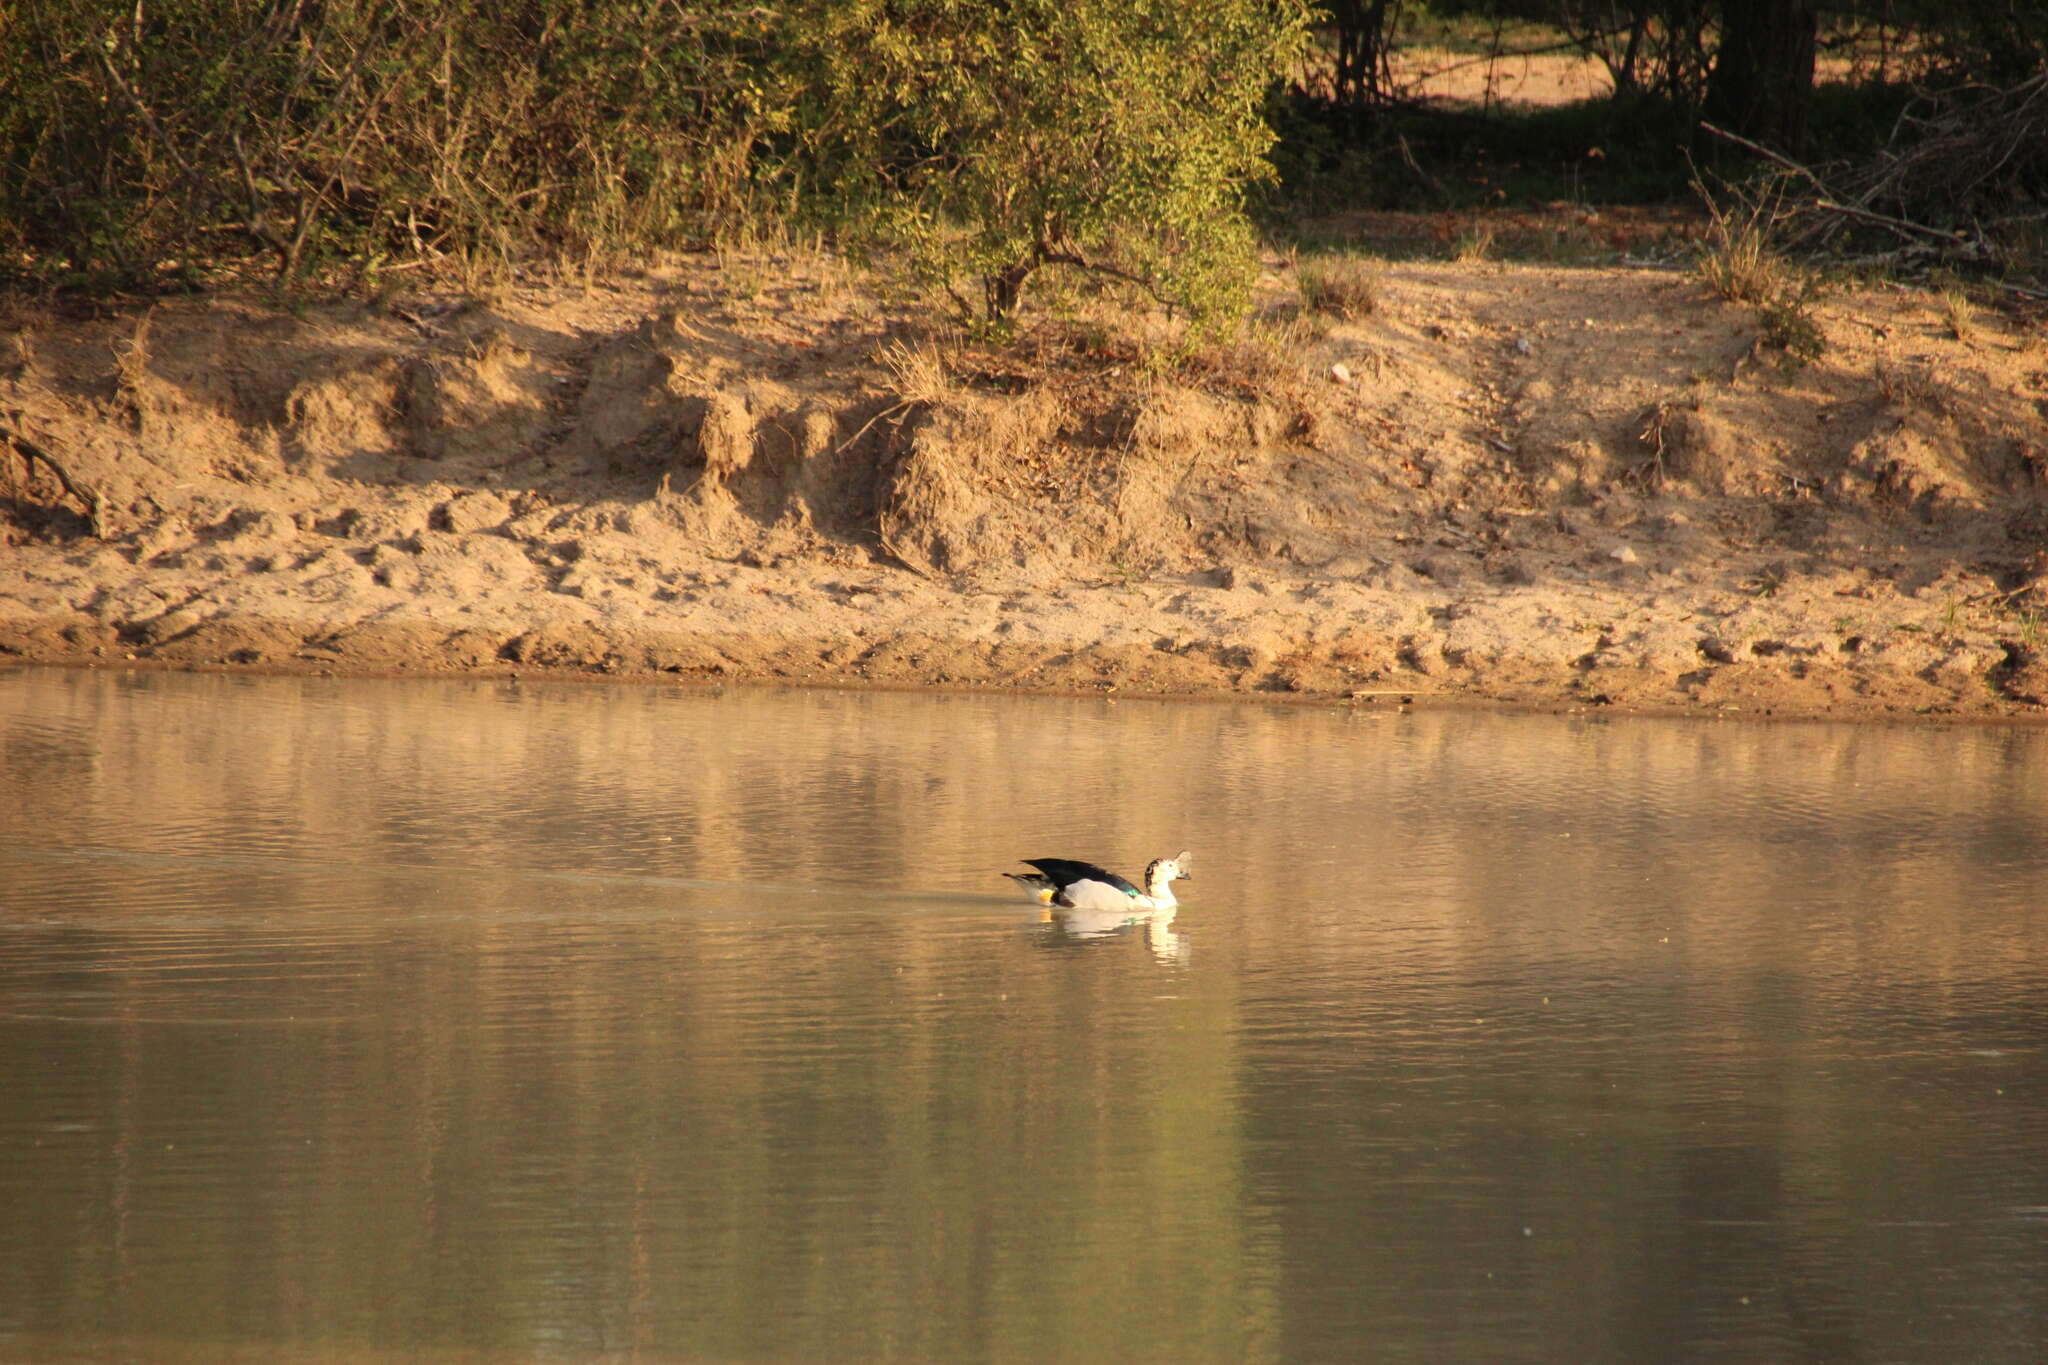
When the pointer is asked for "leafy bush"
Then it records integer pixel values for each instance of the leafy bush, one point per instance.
(1788, 324)
(1111, 136)
(132, 136)
(355, 134)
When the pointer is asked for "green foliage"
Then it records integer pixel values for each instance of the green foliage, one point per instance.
(1111, 136)
(1790, 328)
(355, 132)
(353, 135)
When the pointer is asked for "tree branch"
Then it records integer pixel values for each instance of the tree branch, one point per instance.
(1048, 255)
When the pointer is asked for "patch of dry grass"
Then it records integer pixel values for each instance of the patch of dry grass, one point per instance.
(1341, 286)
(1737, 262)
(1474, 244)
(1958, 316)
(1909, 385)
(1263, 358)
(917, 372)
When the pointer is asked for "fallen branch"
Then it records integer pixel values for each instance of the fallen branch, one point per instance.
(2021, 290)
(1830, 200)
(1904, 227)
(94, 504)
(1775, 158)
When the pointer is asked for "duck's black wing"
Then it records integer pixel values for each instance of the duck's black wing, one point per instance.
(1066, 871)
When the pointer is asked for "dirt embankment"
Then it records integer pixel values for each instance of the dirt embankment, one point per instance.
(1519, 484)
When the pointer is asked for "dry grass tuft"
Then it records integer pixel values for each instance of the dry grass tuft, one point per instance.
(1474, 244)
(917, 372)
(1265, 358)
(131, 355)
(132, 381)
(17, 353)
(1909, 385)
(1345, 287)
(1738, 264)
(1958, 316)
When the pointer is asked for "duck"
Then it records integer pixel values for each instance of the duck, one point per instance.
(1077, 885)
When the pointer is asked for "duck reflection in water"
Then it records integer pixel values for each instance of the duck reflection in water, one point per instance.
(1079, 927)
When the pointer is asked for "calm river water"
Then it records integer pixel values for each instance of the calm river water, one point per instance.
(377, 1021)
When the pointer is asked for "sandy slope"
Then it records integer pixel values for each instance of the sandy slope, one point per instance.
(1550, 486)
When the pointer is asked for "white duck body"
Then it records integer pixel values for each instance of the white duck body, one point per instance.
(1084, 886)
(1089, 894)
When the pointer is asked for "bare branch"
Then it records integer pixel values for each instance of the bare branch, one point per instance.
(94, 504)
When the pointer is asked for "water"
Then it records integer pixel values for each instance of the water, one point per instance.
(365, 1021)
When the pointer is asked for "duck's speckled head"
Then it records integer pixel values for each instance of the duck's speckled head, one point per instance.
(1160, 871)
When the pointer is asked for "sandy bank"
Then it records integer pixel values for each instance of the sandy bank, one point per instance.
(1541, 486)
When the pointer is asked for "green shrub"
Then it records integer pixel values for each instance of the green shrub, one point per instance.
(352, 134)
(1789, 326)
(1112, 136)
(355, 131)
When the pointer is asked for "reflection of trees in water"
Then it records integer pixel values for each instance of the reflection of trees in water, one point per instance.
(873, 1136)
(851, 1133)
(488, 1111)
(941, 793)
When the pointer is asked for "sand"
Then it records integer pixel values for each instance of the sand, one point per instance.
(1531, 485)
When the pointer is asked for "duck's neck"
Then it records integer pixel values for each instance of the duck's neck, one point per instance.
(1160, 893)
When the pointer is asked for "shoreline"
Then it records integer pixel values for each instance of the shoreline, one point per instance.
(1392, 702)
(1940, 682)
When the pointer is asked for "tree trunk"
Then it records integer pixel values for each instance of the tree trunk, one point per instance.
(1003, 290)
(1361, 32)
(1762, 82)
